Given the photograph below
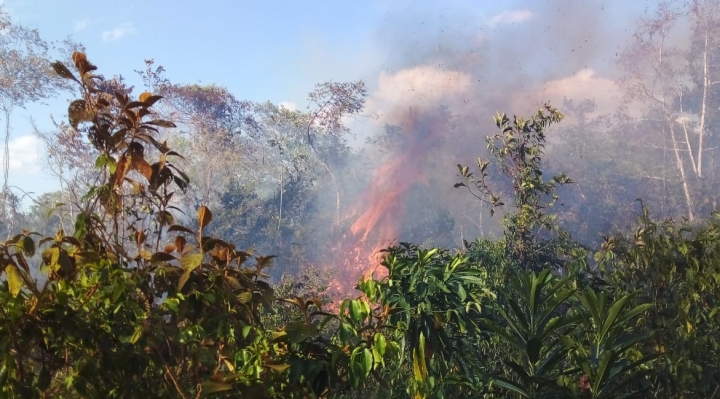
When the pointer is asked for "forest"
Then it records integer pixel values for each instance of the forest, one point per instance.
(201, 245)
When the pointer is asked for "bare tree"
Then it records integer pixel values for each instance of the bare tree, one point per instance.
(676, 84)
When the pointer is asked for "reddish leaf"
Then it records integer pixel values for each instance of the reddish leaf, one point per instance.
(204, 216)
(161, 123)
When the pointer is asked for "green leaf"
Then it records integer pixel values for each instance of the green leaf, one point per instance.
(613, 313)
(510, 386)
(172, 304)
(50, 256)
(245, 297)
(298, 332)
(44, 379)
(380, 344)
(367, 361)
(346, 332)
(603, 370)
(278, 367)
(358, 311)
(136, 334)
(191, 262)
(246, 330)
(634, 312)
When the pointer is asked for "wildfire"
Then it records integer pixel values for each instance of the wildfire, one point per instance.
(381, 208)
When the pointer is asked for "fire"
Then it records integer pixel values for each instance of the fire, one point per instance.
(381, 208)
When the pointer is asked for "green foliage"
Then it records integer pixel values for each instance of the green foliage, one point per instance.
(120, 315)
(433, 298)
(674, 267)
(608, 369)
(531, 330)
(132, 303)
(518, 150)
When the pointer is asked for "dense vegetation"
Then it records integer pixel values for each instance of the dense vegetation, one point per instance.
(133, 287)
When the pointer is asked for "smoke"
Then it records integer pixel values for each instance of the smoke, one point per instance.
(447, 71)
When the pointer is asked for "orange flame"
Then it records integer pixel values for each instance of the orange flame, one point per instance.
(382, 207)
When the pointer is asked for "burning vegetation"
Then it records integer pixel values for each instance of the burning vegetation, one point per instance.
(387, 278)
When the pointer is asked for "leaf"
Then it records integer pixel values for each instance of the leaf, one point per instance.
(177, 227)
(151, 100)
(44, 379)
(28, 246)
(161, 123)
(50, 256)
(78, 112)
(510, 386)
(171, 304)
(145, 254)
(136, 334)
(140, 237)
(14, 279)
(86, 257)
(380, 344)
(134, 104)
(144, 96)
(367, 361)
(613, 313)
(180, 244)
(161, 257)
(212, 387)
(298, 332)
(191, 262)
(278, 367)
(204, 216)
(63, 71)
(81, 63)
(245, 297)
(183, 279)
(72, 241)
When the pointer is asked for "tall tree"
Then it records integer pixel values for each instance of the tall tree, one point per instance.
(676, 86)
(25, 76)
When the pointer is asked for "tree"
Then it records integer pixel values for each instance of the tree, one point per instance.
(676, 85)
(135, 304)
(25, 76)
(518, 150)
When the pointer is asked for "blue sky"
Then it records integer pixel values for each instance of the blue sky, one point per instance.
(270, 50)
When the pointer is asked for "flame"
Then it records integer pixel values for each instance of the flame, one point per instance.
(381, 208)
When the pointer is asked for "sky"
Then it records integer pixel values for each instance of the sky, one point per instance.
(278, 50)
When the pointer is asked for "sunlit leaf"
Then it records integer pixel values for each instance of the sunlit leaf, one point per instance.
(213, 387)
(204, 216)
(191, 262)
(14, 279)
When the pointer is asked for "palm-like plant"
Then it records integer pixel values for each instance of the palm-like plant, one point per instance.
(609, 371)
(532, 326)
